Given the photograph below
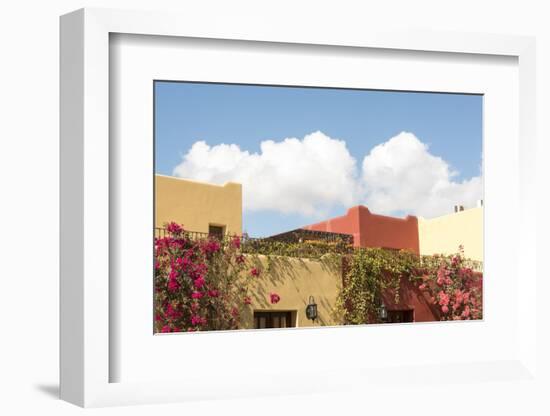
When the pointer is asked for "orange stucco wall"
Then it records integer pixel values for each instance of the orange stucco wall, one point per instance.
(372, 230)
(410, 297)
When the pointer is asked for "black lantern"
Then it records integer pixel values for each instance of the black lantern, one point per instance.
(311, 309)
(383, 312)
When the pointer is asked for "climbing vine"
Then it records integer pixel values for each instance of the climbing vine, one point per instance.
(203, 284)
(369, 274)
(451, 284)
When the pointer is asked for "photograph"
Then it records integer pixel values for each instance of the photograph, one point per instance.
(290, 207)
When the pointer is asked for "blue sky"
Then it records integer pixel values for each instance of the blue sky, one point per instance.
(450, 125)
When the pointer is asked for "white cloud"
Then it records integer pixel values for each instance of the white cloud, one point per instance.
(311, 175)
(402, 175)
(307, 176)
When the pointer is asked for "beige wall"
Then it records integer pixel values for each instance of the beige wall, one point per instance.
(196, 204)
(294, 280)
(443, 235)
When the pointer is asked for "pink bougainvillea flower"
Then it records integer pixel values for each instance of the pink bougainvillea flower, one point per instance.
(198, 320)
(174, 228)
(213, 293)
(255, 272)
(195, 306)
(166, 328)
(236, 242)
(422, 286)
(196, 295)
(211, 246)
(173, 285)
(199, 282)
(445, 309)
(247, 300)
(274, 298)
(172, 313)
(234, 312)
(466, 312)
(158, 317)
(443, 298)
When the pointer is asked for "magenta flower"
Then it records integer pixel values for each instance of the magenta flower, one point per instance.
(274, 298)
(236, 242)
(166, 328)
(198, 320)
(199, 282)
(255, 272)
(211, 246)
(174, 228)
(173, 285)
(213, 293)
(172, 313)
(196, 295)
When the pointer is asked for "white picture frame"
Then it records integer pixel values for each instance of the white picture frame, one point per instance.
(86, 357)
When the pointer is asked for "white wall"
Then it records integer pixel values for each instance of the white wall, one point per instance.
(29, 172)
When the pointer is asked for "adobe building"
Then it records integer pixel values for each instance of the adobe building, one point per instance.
(372, 230)
(199, 206)
(217, 209)
(442, 235)
(439, 235)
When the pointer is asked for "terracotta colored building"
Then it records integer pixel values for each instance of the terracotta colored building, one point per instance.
(439, 235)
(373, 230)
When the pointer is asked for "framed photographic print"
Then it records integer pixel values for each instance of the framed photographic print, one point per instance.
(290, 208)
(262, 230)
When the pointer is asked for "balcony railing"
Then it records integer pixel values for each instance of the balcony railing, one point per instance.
(294, 244)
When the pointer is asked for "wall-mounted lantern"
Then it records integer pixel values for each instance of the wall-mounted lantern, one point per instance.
(383, 312)
(311, 309)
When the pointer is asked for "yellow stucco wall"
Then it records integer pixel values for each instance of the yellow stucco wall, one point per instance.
(196, 204)
(443, 235)
(295, 280)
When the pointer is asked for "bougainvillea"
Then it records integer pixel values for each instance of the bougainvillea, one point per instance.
(449, 284)
(203, 283)
(452, 286)
(274, 298)
(200, 284)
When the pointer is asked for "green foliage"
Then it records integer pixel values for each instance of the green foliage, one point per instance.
(310, 249)
(369, 273)
(203, 284)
